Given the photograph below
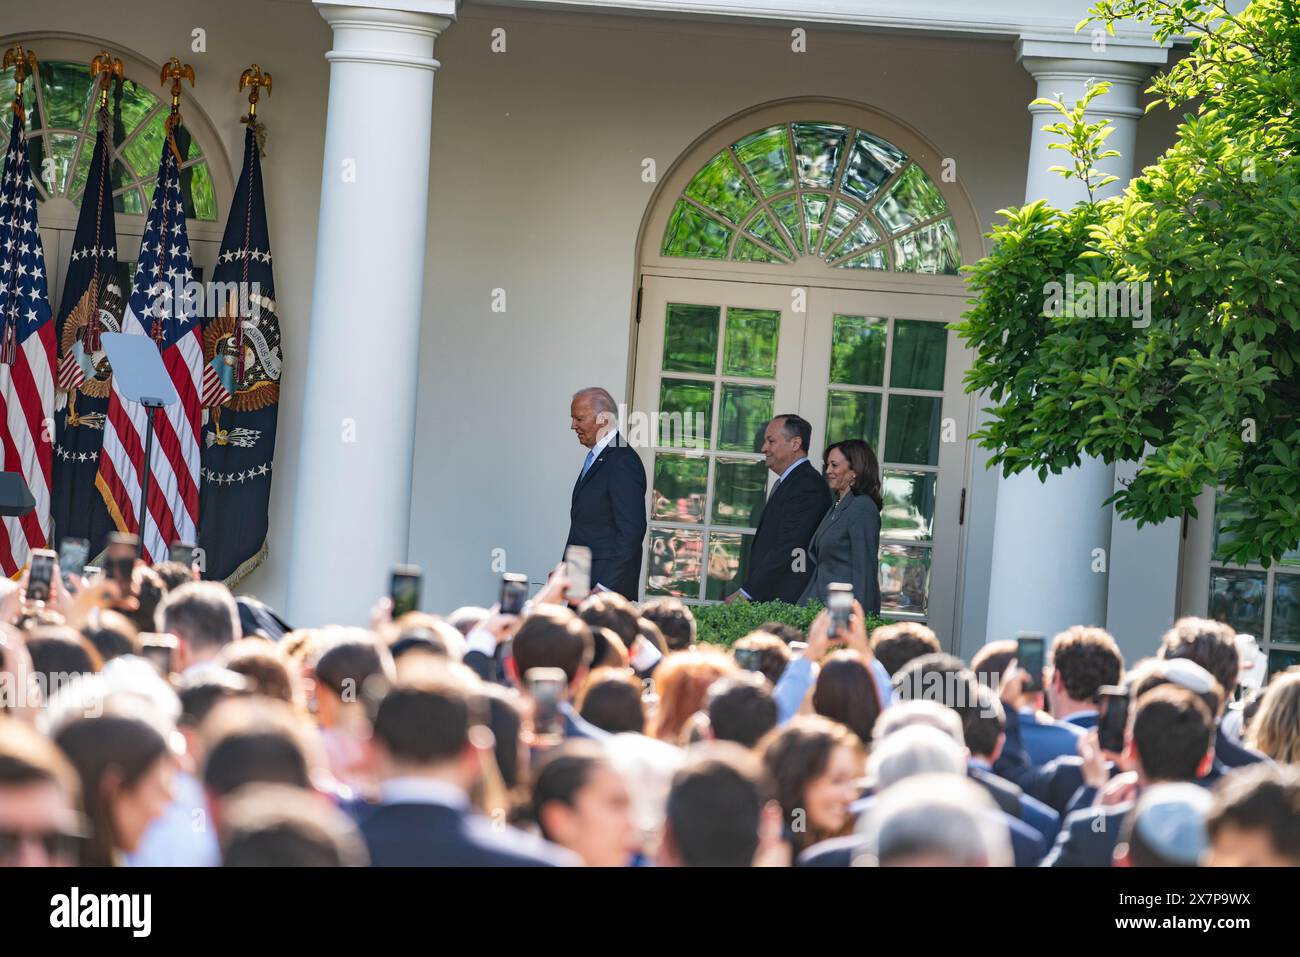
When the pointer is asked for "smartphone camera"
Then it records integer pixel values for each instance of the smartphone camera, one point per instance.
(73, 553)
(159, 648)
(1113, 721)
(182, 552)
(577, 572)
(751, 659)
(514, 592)
(404, 589)
(40, 578)
(839, 602)
(1030, 655)
(546, 687)
(120, 556)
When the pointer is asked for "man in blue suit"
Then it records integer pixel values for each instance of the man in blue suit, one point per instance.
(607, 512)
(427, 765)
(1084, 660)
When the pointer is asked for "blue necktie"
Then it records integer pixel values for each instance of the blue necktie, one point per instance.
(591, 457)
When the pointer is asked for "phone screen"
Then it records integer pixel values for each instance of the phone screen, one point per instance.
(751, 659)
(119, 558)
(160, 649)
(404, 590)
(514, 592)
(1114, 719)
(839, 601)
(1029, 655)
(41, 575)
(182, 552)
(546, 686)
(73, 553)
(577, 566)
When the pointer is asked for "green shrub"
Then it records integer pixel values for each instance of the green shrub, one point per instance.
(724, 624)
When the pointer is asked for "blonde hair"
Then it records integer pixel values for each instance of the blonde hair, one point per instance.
(1276, 728)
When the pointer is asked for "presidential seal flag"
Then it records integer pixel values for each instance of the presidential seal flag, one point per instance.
(241, 386)
(92, 304)
(26, 353)
(162, 306)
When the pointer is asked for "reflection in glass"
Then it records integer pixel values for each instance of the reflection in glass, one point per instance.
(909, 505)
(1227, 512)
(787, 210)
(766, 156)
(872, 259)
(912, 432)
(1237, 597)
(1280, 659)
(931, 249)
(728, 555)
(762, 227)
(748, 251)
(691, 338)
(912, 199)
(66, 88)
(691, 233)
(904, 579)
(843, 214)
(814, 211)
(858, 350)
(920, 349)
(739, 491)
(145, 148)
(721, 188)
(871, 163)
(674, 562)
(685, 407)
(819, 146)
(750, 349)
(56, 176)
(1285, 625)
(746, 410)
(679, 488)
(861, 236)
(197, 194)
(852, 415)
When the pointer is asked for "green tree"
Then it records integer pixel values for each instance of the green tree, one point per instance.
(1203, 389)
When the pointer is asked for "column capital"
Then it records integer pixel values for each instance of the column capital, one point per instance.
(332, 9)
(391, 32)
(1065, 65)
(1120, 51)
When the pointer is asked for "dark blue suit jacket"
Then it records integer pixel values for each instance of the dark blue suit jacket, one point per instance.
(435, 835)
(789, 519)
(608, 515)
(1088, 837)
(1231, 754)
(1027, 847)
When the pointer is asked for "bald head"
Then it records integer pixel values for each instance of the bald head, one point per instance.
(593, 412)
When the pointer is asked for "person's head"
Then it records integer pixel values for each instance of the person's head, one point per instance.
(911, 750)
(897, 644)
(934, 677)
(506, 723)
(1211, 644)
(264, 666)
(1171, 737)
(648, 767)
(785, 441)
(741, 708)
(851, 467)
(983, 723)
(125, 766)
(814, 765)
(908, 714)
(1275, 728)
(582, 803)
(149, 590)
(610, 610)
(682, 681)
(344, 672)
(1255, 821)
(113, 635)
(714, 809)
(991, 660)
(1082, 660)
(466, 618)
(611, 700)
(252, 740)
(1152, 673)
(39, 795)
(771, 653)
(592, 413)
(934, 820)
(204, 619)
(424, 729)
(607, 649)
(786, 632)
(59, 654)
(846, 692)
(174, 574)
(1166, 827)
(551, 637)
(675, 621)
(269, 825)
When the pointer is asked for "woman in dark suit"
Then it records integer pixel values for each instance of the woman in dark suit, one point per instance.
(846, 544)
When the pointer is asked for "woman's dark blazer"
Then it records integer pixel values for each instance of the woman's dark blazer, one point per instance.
(846, 548)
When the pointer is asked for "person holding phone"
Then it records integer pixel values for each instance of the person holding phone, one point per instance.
(846, 545)
(607, 512)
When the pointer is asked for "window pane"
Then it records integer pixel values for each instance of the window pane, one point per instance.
(691, 233)
(862, 236)
(843, 214)
(920, 349)
(82, 172)
(912, 432)
(819, 146)
(728, 554)
(751, 343)
(1237, 597)
(931, 249)
(787, 210)
(858, 350)
(1285, 626)
(145, 150)
(721, 188)
(1280, 659)
(814, 211)
(904, 579)
(62, 146)
(746, 410)
(871, 163)
(912, 199)
(691, 338)
(131, 201)
(767, 157)
(673, 566)
(1227, 513)
(128, 104)
(761, 226)
(66, 88)
(875, 259)
(679, 487)
(687, 406)
(748, 251)
(852, 415)
(909, 505)
(739, 491)
(197, 193)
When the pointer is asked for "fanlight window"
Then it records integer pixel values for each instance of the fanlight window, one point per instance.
(62, 118)
(815, 189)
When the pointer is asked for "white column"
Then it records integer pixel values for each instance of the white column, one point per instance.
(1046, 534)
(352, 500)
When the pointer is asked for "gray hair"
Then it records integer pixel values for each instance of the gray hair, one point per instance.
(203, 613)
(911, 751)
(908, 714)
(601, 400)
(941, 816)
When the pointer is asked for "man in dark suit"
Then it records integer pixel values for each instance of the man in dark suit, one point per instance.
(427, 766)
(778, 558)
(607, 512)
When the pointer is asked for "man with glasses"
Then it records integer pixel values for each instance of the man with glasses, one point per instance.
(39, 825)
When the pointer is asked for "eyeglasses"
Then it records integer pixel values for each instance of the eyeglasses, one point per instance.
(55, 843)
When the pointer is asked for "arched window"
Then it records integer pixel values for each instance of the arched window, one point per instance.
(62, 113)
(815, 189)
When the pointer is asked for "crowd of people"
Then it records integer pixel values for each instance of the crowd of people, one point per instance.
(166, 722)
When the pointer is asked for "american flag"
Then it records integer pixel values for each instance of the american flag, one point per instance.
(27, 355)
(155, 310)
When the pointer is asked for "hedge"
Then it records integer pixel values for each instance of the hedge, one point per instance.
(724, 624)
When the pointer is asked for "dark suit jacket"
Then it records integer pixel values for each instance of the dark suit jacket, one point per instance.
(608, 515)
(789, 519)
(435, 835)
(1019, 805)
(1088, 837)
(1232, 754)
(846, 548)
